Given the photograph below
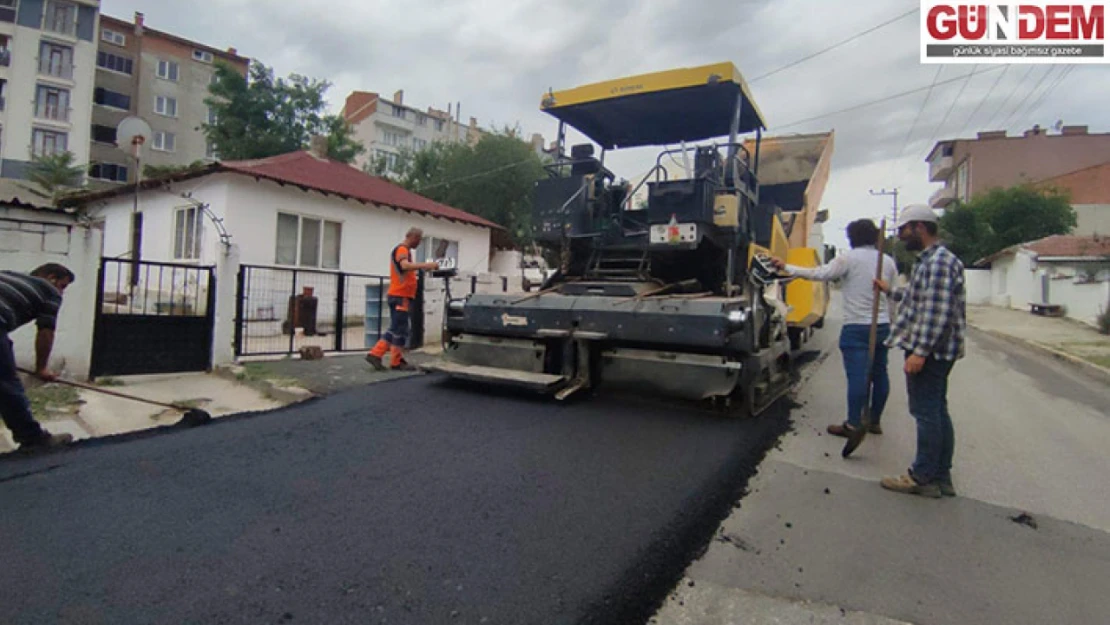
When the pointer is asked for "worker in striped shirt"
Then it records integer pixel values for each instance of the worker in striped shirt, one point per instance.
(25, 298)
(931, 328)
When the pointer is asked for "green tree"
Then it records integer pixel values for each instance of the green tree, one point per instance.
(1004, 217)
(492, 179)
(156, 171)
(56, 173)
(262, 115)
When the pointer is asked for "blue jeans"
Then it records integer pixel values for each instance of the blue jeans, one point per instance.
(853, 346)
(936, 439)
(15, 408)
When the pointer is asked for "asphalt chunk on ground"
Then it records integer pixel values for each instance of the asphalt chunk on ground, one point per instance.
(413, 501)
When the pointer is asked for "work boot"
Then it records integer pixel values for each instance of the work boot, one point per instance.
(375, 361)
(946, 487)
(840, 429)
(875, 429)
(909, 486)
(49, 441)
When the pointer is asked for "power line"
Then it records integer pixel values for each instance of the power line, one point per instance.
(1028, 95)
(1001, 106)
(888, 98)
(477, 175)
(835, 45)
(1052, 87)
(936, 131)
(983, 100)
(913, 126)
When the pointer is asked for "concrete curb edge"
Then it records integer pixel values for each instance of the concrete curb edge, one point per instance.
(283, 394)
(1086, 366)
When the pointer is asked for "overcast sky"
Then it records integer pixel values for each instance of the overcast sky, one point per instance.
(497, 59)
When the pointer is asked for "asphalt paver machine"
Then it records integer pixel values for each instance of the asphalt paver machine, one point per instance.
(675, 295)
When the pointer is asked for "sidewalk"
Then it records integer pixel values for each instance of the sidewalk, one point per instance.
(87, 414)
(1076, 343)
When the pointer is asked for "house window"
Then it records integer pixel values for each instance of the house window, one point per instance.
(419, 144)
(187, 231)
(7, 10)
(165, 106)
(435, 248)
(210, 151)
(113, 37)
(108, 171)
(165, 141)
(212, 117)
(308, 241)
(104, 134)
(60, 17)
(48, 142)
(111, 99)
(202, 55)
(421, 119)
(439, 125)
(52, 103)
(398, 112)
(392, 161)
(56, 60)
(167, 70)
(114, 62)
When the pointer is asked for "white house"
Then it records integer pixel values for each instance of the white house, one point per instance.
(1065, 270)
(297, 224)
(33, 233)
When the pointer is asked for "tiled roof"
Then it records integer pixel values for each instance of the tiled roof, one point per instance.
(1072, 246)
(305, 170)
(1059, 246)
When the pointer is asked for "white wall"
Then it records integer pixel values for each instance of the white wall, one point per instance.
(32, 238)
(368, 232)
(1083, 302)
(435, 296)
(1092, 219)
(1015, 281)
(978, 286)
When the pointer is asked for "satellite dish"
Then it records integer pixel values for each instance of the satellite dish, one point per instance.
(132, 134)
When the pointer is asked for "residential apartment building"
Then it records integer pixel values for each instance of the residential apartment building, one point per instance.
(385, 127)
(47, 55)
(968, 167)
(161, 78)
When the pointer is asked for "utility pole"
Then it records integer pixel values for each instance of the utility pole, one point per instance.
(894, 222)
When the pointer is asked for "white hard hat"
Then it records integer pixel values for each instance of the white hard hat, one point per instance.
(917, 212)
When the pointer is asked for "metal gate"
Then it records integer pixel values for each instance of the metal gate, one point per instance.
(279, 310)
(153, 317)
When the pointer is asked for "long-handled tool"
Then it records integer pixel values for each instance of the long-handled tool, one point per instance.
(855, 438)
(190, 417)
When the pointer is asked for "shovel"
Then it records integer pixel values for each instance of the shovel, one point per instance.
(191, 416)
(855, 438)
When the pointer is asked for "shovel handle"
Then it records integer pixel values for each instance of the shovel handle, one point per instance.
(97, 389)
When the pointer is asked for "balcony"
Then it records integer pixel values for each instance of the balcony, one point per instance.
(940, 168)
(56, 69)
(943, 197)
(5, 57)
(52, 112)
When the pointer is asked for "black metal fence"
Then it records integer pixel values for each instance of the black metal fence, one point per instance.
(152, 318)
(280, 310)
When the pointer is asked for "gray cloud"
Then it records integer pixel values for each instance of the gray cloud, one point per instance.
(498, 59)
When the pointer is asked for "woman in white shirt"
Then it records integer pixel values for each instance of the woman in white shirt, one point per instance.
(856, 270)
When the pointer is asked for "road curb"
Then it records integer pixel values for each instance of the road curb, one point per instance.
(283, 394)
(1085, 366)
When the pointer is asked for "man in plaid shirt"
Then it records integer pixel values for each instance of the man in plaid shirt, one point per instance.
(931, 328)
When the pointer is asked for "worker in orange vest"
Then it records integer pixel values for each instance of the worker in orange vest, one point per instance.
(402, 291)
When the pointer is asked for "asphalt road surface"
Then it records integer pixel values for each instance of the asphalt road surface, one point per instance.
(410, 501)
(1027, 541)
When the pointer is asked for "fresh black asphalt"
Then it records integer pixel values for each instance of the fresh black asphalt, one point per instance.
(411, 501)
